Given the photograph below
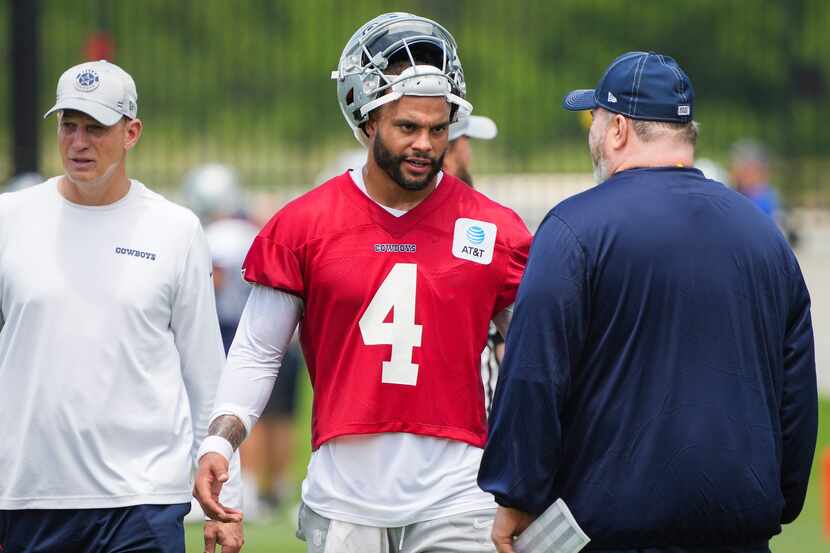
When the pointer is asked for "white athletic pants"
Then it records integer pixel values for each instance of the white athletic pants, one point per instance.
(463, 533)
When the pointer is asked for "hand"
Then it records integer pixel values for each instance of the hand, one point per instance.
(227, 534)
(212, 473)
(508, 524)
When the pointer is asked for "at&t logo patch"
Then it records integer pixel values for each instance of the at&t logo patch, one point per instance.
(474, 240)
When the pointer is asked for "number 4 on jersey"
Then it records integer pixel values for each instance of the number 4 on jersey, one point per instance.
(396, 293)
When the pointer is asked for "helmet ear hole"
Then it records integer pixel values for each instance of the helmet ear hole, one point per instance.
(350, 97)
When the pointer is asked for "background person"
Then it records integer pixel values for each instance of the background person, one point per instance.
(659, 375)
(749, 169)
(459, 155)
(215, 194)
(110, 349)
(750, 175)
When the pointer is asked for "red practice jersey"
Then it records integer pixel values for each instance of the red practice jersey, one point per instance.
(396, 308)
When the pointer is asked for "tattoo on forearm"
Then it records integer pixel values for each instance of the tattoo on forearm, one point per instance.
(228, 427)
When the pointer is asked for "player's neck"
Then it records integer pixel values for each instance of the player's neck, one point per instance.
(385, 191)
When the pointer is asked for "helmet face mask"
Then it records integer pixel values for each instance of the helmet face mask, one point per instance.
(382, 43)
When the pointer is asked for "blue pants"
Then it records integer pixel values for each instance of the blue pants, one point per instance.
(136, 529)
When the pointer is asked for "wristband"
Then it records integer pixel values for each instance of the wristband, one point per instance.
(216, 444)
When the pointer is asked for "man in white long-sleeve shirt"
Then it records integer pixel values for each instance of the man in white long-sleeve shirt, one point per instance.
(109, 345)
(394, 272)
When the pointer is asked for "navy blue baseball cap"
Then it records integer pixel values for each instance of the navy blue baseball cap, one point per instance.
(640, 85)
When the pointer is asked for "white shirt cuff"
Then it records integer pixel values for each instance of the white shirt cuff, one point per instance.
(216, 444)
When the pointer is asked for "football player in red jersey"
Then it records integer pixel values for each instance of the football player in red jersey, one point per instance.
(394, 273)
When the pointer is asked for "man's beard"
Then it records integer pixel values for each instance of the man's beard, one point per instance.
(391, 164)
(598, 161)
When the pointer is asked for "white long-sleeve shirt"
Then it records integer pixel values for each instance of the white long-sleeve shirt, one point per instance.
(109, 351)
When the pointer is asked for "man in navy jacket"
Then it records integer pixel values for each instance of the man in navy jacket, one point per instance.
(660, 369)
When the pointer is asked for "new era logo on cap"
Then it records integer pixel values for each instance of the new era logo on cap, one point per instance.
(100, 89)
(612, 98)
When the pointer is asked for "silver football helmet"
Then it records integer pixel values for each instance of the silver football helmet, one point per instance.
(362, 84)
(213, 191)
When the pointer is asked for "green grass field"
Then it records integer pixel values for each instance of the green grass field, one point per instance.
(805, 535)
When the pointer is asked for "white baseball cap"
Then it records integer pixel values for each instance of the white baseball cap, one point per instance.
(474, 126)
(100, 89)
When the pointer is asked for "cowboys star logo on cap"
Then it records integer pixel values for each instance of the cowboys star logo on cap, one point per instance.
(87, 80)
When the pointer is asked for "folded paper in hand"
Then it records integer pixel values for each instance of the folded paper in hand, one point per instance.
(555, 531)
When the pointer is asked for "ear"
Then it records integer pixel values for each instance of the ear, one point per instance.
(370, 127)
(132, 132)
(618, 132)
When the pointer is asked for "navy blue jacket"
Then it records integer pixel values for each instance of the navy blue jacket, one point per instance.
(660, 369)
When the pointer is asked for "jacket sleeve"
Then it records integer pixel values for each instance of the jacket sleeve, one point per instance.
(195, 326)
(544, 344)
(799, 402)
